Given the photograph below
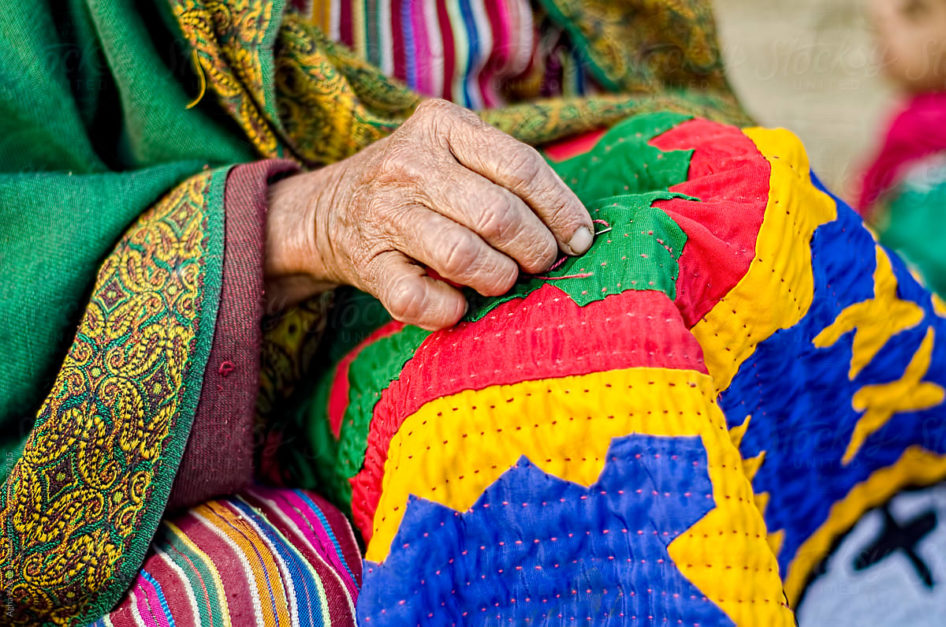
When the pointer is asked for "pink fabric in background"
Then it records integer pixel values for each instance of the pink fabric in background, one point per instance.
(916, 131)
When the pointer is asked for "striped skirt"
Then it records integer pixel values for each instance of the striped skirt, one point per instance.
(265, 557)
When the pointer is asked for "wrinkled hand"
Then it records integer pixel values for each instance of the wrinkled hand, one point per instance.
(446, 192)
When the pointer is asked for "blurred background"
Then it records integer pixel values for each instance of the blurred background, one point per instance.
(809, 65)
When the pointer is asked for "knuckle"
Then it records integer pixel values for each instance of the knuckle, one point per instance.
(525, 165)
(436, 113)
(432, 105)
(539, 254)
(544, 255)
(504, 278)
(406, 299)
(496, 278)
(433, 111)
(496, 218)
(394, 164)
(459, 253)
(376, 214)
(393, 222)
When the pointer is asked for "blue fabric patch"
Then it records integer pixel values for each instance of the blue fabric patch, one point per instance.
(801, 409)
(538, 549)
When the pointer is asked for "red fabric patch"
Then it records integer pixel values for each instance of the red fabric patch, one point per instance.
(732, 176)
(626, 330)
(338, 395)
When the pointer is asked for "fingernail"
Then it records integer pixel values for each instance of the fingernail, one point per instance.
(580, 241)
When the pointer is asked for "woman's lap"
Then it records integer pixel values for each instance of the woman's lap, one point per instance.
(267, 556)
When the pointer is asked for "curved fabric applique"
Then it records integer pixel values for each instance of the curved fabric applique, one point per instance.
(82, 503)
(627, 159)
(553, 361)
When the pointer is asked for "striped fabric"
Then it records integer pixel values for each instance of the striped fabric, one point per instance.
(266, 557)
(474, 52)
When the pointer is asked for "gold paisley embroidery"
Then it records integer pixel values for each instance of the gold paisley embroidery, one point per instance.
(544, 121)
(228, 37)
(73, 502)
(646, 45)
(331, 102)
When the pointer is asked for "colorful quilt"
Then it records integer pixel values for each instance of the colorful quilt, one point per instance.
(674, 428)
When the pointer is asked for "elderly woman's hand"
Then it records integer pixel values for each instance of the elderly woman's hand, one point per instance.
(446, 192)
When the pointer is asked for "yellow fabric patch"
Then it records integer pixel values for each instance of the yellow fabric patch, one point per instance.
(880, 402)
(738, 432)
(454, 447)
(778, 288)
(939, 305)
(873, 321)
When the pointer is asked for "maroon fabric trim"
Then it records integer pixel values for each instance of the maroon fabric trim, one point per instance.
(218, 459)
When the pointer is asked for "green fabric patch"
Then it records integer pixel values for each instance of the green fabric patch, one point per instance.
(915, 223)
(372, 371)
(617, 181)
(333, 461)
(639, 253)
(624, 162)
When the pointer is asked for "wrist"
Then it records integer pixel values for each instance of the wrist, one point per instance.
(295, 266)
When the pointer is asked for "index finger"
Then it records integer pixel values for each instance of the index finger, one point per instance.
(521, 169)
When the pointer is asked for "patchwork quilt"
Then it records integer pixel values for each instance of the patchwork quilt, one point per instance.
(678, 427)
